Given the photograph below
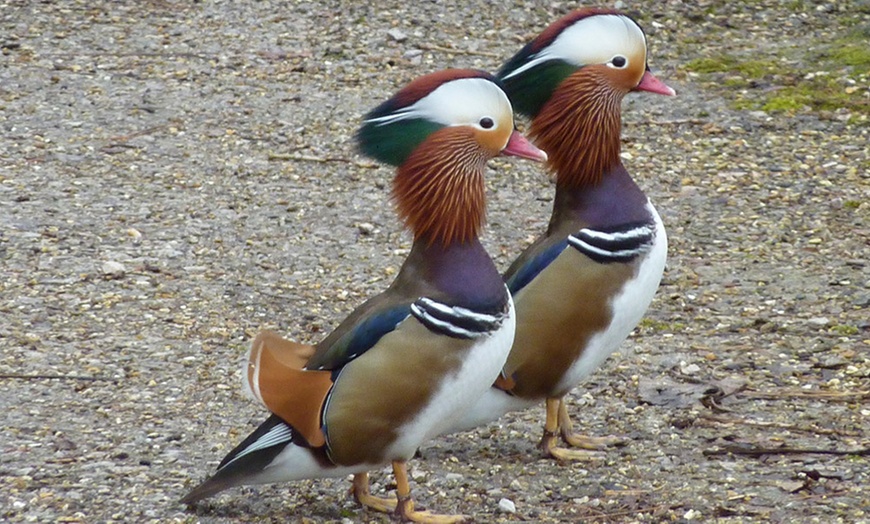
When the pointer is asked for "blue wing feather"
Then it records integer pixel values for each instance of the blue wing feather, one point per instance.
(360, 338)
(367, 334)
(528, 271)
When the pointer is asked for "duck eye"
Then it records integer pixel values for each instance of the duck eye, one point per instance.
(619, 61)
(486, 122)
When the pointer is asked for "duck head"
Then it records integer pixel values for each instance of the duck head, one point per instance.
(571, 80)
(439, 131)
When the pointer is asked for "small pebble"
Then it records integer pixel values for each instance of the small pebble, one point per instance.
(415, 56)
(397, 35)
(113, 269)
(134, 234)
(691, 369)
(507, 506)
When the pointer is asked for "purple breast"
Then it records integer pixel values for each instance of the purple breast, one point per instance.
(466, 273)
(615, 200)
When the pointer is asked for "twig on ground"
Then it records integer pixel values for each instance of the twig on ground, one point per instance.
(685, 378)
(675, 122)
(827, 495)
(430, 47)
(834, 396)
(790, 427)
(130, 55)
(21, 376)
(118, 143)
(320, 159)
(737, 449)
(142, 132)
(608, 516)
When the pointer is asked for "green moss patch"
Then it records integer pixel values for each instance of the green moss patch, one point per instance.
(829, 76)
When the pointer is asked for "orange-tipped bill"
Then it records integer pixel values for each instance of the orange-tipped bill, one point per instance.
(652, 84)
(518, 145)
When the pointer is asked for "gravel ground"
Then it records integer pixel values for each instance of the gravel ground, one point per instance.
(178, 175)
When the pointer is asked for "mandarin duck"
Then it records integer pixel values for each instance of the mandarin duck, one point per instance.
(402, 366)
(582, 286)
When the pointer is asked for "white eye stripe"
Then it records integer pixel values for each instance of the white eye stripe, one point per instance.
(401, 114)
(465, 101)
(592, 40)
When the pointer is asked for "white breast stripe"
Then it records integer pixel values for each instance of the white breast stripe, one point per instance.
(458, 311)
(638, 232)
(429, 303)
(619, 255)
(454, 321)
(426, 318)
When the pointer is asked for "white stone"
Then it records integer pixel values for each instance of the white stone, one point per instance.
(507, 505)
(691, 369)
(397, 34)
(113, 268)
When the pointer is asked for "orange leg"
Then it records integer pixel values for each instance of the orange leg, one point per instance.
(360, 492)
(405, 509)
(576, 440)
(552, 427)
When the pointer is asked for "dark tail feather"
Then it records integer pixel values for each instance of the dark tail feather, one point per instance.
(210, 487)
(243, 464)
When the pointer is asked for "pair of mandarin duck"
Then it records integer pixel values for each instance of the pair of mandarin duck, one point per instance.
(451, 344)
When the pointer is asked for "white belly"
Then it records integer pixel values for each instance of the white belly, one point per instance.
(458, 391)
(628, 308)
(490, 406)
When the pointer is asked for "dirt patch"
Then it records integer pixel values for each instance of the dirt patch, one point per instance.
(178, 175)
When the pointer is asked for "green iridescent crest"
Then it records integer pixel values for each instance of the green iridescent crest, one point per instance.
(392, 142)
(530, 90)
